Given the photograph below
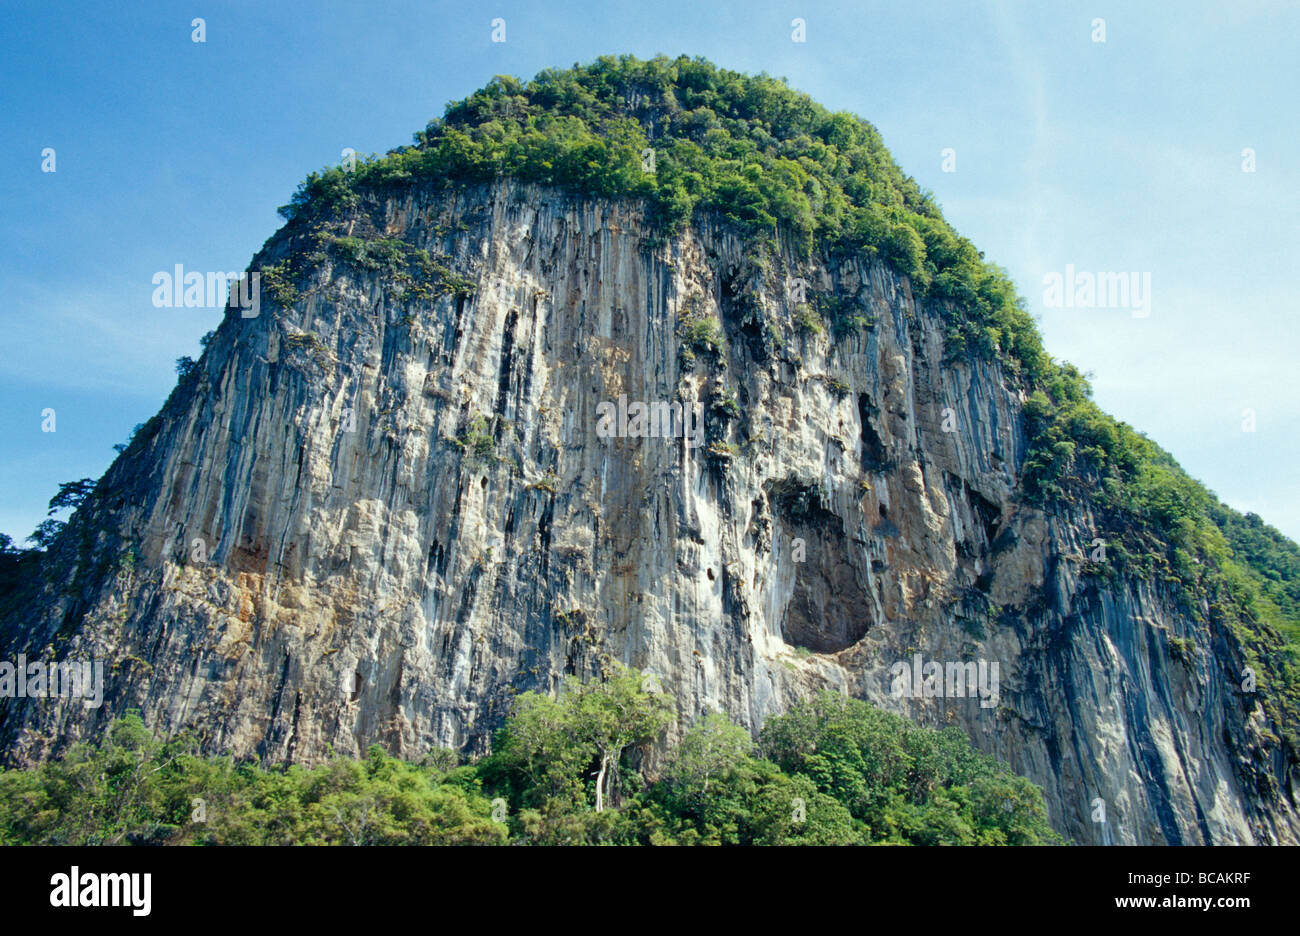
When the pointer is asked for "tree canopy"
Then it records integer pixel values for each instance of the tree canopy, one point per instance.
(831, 772)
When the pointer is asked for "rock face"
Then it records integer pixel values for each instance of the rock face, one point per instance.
(382, 506)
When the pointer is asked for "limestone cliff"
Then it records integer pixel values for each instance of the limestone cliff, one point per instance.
(380, 507)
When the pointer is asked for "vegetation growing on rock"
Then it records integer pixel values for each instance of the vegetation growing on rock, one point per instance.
(694, 140)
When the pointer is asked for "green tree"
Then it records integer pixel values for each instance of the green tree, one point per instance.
(539, 754)
(45, 534)
(904, 782)
(710, 751)
(614, 714)
(71, 495)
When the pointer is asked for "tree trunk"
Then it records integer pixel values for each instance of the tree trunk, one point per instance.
(600, 782)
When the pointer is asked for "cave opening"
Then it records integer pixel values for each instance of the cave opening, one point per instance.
(830, 608)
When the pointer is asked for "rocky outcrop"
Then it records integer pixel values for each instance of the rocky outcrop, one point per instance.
(378, 509)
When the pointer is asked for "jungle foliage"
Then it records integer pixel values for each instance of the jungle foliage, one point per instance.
(572, 769)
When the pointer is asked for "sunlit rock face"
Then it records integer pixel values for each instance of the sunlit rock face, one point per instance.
(387, 503)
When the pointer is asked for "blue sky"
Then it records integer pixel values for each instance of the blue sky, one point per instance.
(1123, 155)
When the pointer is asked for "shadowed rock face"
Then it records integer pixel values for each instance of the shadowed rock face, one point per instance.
(829, 608)
(373, 515)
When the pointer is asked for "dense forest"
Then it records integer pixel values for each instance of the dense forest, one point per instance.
(570, 770)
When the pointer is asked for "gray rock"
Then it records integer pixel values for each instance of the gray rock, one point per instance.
(384, 583)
